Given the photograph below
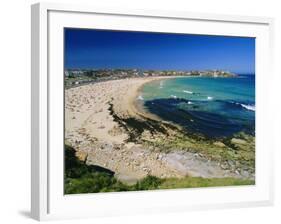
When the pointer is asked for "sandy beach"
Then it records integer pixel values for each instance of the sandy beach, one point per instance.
(91, 128)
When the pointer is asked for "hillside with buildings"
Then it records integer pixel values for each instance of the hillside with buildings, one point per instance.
(75, 77)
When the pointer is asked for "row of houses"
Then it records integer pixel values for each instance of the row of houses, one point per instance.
(79, 76)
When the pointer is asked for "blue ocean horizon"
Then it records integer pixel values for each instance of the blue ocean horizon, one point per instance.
(212, 107)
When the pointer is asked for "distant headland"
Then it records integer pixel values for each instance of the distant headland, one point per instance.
(82, 76)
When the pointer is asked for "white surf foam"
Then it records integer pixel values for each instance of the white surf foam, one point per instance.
(186, 91)
(249, 107)
(161, 85)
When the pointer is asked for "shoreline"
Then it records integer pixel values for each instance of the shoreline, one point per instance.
(134, 103)
(96, 118)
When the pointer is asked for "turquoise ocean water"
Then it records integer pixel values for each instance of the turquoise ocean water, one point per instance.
(213, 107)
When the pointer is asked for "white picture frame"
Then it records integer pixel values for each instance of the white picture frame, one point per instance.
(48, 201)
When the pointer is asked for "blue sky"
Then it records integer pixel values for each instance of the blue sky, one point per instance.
(96, 49)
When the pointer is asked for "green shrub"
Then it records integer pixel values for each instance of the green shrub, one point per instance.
(148, 183)
(83, 178)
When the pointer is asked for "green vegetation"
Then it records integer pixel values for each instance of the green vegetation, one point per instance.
(192, 182)
(83, 178)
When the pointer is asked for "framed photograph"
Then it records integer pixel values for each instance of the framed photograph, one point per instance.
(148, 111)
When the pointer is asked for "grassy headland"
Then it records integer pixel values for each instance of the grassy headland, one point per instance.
(83, 178)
